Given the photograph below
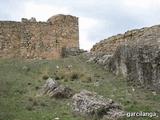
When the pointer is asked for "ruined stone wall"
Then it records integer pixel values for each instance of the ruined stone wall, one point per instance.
(38, 40)
(144, 36)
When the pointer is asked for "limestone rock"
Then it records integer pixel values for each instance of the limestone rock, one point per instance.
(49, 86)
(136, 55)
(143, 36)
(53, 89)
(72, 52)
(62, 92)
(100, 58)
(91, 105)
(139, 64)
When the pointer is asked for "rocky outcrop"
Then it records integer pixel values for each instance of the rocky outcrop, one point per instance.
(89, 104)
(100, 58)
(139, 64)
(144, 36)
(53, 89)
(135, 54)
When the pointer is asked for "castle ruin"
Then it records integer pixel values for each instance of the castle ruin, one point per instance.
(38, 40)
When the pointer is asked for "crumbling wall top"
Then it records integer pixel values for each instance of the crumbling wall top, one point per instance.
(61, 17)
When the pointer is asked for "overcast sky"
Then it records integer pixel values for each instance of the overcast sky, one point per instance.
(98, 19)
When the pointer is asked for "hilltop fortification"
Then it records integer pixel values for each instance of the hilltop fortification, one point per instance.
(38, 40)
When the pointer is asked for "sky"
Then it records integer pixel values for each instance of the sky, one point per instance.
(98, 19)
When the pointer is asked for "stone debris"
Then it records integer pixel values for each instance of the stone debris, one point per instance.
(62, 92)
(53, 89)
(101, 59)
(72, 52)
(49, 86)
(89, 104)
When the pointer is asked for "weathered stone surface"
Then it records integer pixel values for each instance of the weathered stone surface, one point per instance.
(144, 36)
(38, 40)
(32, 19)
(139, 64)
(136, 55)
(101, 59)
(72, 52)
(49, 86)
(53, 89)
(90, 104)
(62, 92)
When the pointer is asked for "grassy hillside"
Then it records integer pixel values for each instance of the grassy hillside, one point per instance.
(21, 80)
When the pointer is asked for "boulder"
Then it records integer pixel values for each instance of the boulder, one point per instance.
(62, 92)
(89, 104)
(53, 89)
(49, 86)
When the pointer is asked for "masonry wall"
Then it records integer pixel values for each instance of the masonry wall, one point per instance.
(38, 40)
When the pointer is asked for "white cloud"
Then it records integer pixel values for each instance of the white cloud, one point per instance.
(43, 11)
(85, 42)
(86, 25)
(141, 4)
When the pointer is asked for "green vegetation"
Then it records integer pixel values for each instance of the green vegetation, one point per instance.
(21, 80)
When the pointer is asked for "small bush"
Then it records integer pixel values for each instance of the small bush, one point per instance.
(29, 83)
(86, 78)
(57, 77)
(37, 88)
(45, 77)
(65, 80)
(43, 104)
(74, 76)
(29, 107)
(30, 99)
(34, 102)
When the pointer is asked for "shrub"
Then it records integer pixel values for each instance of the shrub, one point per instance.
(74, 76)
(45, 77)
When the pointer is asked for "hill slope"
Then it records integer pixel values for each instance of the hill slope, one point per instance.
(21, 80)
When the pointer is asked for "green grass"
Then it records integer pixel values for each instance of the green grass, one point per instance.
(20, 81)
